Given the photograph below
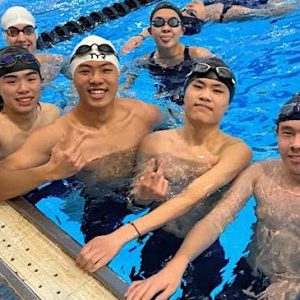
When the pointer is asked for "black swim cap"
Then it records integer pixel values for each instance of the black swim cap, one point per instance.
(14, 59)
(212, 68)
(290, 110)
(192, 25)
(166, 5)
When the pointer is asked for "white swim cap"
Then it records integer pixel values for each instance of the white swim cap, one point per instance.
(16, 15)
(93, 52)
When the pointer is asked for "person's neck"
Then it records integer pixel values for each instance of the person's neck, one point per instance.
(292, 180)
(93, 117)
(23, 121)
(170, 53)
(199, 134)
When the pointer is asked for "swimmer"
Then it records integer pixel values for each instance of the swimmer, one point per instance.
(196, 13)
(272, 269)
(21, 111)
(82, 140)
(171, 61)
(19, 29)
(185, 169)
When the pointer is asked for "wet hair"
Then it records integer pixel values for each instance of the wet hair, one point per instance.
(290, 110)
(166, 5)
(213, 62)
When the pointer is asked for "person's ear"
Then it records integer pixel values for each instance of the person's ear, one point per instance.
(183, 29)
(150, 30)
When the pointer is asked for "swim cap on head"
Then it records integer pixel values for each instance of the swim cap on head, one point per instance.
(212, 68)
(93, 48)
(192, 25)
(290, 110)
(16, 15)
(14, 59)
(166, 5)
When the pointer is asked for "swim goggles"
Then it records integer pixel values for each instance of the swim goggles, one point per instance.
(221, 72)
(290, 109)
(160, 22)
(9, 60)
(14, 31)
(191, 12)
(103, 49)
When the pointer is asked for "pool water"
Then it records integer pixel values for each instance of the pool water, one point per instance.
(265, 56)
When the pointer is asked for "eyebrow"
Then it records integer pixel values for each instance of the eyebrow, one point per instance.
(90, 66)
(285, 127)
(15, 76)
(198, 80)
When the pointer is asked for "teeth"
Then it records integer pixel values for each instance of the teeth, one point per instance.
(98, 92)
(24, 99)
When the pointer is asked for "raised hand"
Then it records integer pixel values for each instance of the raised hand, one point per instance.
(65, 162)
(131, 44)
(153, 185)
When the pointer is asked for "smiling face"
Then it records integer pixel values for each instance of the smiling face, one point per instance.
(20, 91)
(96, 83)
(206, 101)
(289, 145)
(166, 36)
(22, 40)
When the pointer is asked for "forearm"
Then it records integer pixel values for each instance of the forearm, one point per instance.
(144, 34)
(14, 183)
(201, 237)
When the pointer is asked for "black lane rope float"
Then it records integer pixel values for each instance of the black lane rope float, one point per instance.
(86, 23)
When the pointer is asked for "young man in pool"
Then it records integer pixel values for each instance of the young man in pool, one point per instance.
(272, 269)
(21, 111)
(188, 166)
(19, 28)
(99, 127)
(197, 12)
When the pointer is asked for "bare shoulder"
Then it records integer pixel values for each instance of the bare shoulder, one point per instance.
(50, 111)
(234, 144)
(49, 58)
(198, 52)
(157, 142)
(270, 166)
(148, 112)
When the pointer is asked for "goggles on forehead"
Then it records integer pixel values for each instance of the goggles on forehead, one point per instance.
(9, 60)
(288, 110)
(221, 72)
(103, 49)
(191, 12)
(14, 31)
(160, 22)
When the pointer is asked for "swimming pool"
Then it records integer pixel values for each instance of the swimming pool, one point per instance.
(265, 56)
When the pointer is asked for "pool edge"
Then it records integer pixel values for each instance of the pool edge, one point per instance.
(105, 276)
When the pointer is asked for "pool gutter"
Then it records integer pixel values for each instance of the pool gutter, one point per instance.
(107, 277)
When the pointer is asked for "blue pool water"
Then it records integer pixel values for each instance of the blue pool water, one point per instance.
(265, 56)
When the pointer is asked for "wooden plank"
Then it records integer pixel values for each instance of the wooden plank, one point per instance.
(42, 265)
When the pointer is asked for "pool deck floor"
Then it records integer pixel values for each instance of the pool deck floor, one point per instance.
(42, 266)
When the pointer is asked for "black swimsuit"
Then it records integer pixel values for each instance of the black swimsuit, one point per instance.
(253, 4)
(170, 80)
